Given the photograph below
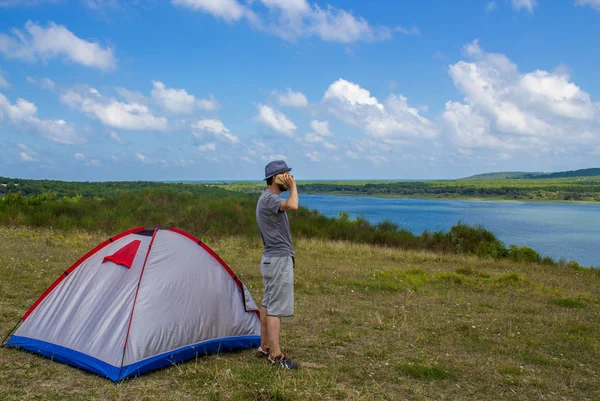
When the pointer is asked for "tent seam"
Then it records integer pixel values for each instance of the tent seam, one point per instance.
(135, 298)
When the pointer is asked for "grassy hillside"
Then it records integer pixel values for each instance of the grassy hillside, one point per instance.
(498, 176)
(588, 172)
(371, 324)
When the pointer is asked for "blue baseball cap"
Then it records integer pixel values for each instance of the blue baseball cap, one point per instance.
(276, 167)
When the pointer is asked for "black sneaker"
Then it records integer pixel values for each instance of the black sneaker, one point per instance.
(262, 353)
(284, 362)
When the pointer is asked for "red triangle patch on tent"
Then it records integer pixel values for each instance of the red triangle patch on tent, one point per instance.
(125, 255)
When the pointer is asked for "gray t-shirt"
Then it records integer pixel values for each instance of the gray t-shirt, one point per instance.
(273, 225)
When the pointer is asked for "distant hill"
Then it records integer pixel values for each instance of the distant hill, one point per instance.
(521, 175)
(498, 176)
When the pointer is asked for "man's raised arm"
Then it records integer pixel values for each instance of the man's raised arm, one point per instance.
(290, 204)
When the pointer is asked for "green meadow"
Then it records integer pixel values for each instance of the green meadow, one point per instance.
(381, 313)
(371, 323)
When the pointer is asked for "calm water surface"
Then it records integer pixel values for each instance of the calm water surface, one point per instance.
(559, 230)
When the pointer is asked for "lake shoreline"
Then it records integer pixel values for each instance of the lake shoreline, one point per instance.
(450, 198)
(560, 230)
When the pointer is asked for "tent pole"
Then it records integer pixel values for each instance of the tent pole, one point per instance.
(9, 333)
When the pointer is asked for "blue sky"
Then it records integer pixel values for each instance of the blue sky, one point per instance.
(215, 89)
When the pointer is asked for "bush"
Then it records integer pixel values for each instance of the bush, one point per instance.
(523, 254)
(204, 210)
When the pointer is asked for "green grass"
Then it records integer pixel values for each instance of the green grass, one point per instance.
(371, 323)
(568, 303)
(424, 372)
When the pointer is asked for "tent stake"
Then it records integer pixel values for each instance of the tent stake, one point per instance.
(9, 333)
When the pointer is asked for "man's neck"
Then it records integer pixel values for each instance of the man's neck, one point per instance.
(275, 189)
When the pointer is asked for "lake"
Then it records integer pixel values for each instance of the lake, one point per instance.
(560, 230)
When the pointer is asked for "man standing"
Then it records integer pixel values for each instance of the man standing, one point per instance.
(277, 264)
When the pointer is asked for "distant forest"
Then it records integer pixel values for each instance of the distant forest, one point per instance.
(579, 185)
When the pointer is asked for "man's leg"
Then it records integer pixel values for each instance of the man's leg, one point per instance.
(273, 326)
(264, 329)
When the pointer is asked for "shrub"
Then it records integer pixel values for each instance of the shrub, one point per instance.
(114, 207)
(523, 254)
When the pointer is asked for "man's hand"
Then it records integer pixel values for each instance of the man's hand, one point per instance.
(289, 180)
(290, 204)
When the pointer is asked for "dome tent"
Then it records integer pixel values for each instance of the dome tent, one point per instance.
(141, 300)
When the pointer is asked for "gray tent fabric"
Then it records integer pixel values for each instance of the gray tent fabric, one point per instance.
(177, 300)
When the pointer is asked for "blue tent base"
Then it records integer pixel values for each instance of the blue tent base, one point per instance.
(91, 364)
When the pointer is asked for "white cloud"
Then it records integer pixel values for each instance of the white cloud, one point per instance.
(229, 10)
(132, 96)
(184, 162)
(276, 120)
(270, 158)
(506, 109)
(44, 83)
(179, 101)
(319, 131)
(313, 137)
(47, 83)
(260, 145)
(377, 159)
(99, 4)
(114, 158)
(112, 113)
(391, 121)
(293, 19)
(292, 99)
(216, 128)
(208, 147)
(351, 93)
(38, 42)
(116, 138)
(330, 146)
(491, 6)
(595, 4)
(350, 154)
(145, 159)
(320, 127)
(95, 162)
(408, 31)
(79, 156)
(23, 114)
(25, 157)
(18, 3)
(527, 5)
(314, 156)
